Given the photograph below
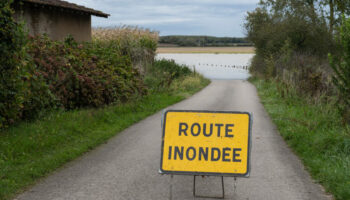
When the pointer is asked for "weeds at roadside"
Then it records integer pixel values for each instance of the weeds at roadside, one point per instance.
(315, 132)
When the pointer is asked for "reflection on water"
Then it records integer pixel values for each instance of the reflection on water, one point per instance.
(214, 66)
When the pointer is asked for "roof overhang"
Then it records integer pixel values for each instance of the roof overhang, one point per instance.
(67, 5)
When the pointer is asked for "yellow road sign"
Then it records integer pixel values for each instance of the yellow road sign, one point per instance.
(206, 143)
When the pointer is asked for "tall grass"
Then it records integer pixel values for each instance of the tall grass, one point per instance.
(140, 44)
(315, 133)
(125, 33)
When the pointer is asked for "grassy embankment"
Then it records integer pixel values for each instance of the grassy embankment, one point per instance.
(315, 132)
(33, 148)
(216, 50)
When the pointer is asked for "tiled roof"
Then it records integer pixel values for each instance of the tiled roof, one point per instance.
(68, 5)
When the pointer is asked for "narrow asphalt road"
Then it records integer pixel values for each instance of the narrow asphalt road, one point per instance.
(127, 166)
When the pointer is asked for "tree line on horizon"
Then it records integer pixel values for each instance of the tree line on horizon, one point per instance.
(202, 41)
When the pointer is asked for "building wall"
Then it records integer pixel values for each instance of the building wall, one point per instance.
(56, 23)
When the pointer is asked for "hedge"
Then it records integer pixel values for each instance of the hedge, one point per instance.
(39, 74)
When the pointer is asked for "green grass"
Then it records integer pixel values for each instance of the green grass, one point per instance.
(315, 132)
(31, 150)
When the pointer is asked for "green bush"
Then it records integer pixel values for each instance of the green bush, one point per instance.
(341, 67)
(314, 132)
(140, 44)
(163, 72)
(175, 70)
(296, 56)
(12, 85)
(17, 83)
(85, 75)
(189, 83)
(285, 27)
(39, 74)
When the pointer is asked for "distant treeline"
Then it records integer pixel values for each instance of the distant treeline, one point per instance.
(202, 41)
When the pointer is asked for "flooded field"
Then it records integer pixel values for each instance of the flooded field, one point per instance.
(214, 66)
(206, 50)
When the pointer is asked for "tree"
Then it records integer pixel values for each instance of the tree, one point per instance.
(276, 21)
(337, 8)
(341, 67)
(13, 87)
(331, 15)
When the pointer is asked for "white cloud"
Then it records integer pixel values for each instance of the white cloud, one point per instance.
(155, 21)
(205, 17)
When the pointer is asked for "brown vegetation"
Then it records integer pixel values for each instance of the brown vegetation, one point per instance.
(127, 33)
(140, 43)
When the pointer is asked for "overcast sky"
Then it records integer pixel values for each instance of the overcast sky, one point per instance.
(175, 17)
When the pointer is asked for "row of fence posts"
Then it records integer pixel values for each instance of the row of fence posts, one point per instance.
(228, 66)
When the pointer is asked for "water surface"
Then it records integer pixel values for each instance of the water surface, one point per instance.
(214, 66)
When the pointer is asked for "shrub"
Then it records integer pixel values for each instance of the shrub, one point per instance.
(189, 83)
(12, 85)
(139, 44)
(38, 74)
(163, 72)
(169, 66)
(341, 67)
(303, 28)
(305, 32)
(83, 75)
(23, 94)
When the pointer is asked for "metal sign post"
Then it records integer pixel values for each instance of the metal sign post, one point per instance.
(213, 197)
(171, 188)
(206, 143)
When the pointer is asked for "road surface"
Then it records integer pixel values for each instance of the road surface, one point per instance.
(127, 166)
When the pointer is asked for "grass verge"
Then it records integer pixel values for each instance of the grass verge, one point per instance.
(32, 150)
(315, 132)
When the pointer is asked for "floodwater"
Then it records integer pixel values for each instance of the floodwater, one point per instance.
(214, 66)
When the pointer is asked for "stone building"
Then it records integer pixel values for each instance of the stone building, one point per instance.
(56, 18)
